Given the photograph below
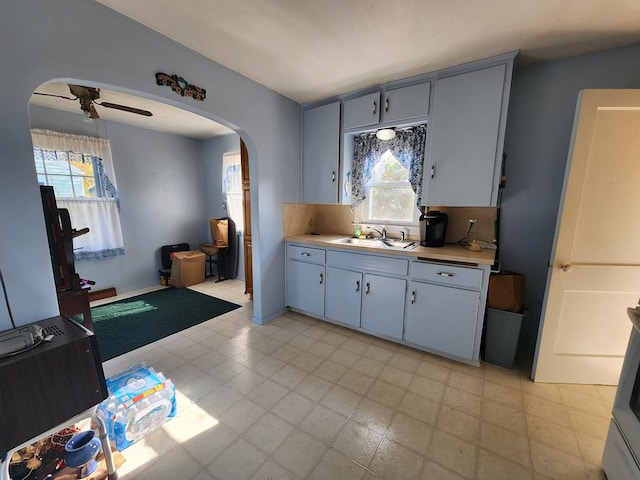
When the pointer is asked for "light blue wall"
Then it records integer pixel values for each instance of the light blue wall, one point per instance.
(541, 111)
(162, 201)
(158, 180)
(84, 42)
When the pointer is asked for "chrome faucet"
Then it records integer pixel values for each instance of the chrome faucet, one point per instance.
(383, 233)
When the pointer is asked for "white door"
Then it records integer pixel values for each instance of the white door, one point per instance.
(594, 274)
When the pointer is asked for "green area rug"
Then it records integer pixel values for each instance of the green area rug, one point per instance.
(128, 324)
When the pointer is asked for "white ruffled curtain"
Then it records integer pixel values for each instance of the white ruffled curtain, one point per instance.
(65, 142)
(232, 188)
(101, 215)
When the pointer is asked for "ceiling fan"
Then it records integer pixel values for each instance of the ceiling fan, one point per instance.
(88, 97)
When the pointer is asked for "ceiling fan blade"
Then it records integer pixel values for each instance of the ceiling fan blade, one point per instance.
(79, 91)
(93, 113)
(53, 95)
(124, 108)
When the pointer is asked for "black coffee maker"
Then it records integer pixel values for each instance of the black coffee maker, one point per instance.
(433, 228)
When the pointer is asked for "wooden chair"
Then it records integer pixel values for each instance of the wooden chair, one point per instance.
(216, 250)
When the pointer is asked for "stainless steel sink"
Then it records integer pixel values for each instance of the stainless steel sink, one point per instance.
(362, 242)
(386, 243)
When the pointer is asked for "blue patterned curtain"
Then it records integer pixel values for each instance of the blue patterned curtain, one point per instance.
(105, 181)
(408, 147)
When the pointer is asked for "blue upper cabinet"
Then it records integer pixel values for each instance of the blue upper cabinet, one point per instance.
(465, 138)
(465, 109)
(404, 104)
(362, 111)
(320, 153)
(394, 105)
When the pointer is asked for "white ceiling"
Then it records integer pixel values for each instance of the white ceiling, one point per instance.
(165, 117)
(313, 49)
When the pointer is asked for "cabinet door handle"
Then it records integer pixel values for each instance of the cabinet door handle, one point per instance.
(433, 171)
(368, 289)
(305, 254)
(333, 176)
(375, 107)
(321, 278)
(445, 274)
(357, 285)
(413, 297)
(386, 104)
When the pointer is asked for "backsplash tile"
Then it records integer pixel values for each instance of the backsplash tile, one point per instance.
(458, 223)
(301, 218)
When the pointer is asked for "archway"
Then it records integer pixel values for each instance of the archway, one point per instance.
(168, 185)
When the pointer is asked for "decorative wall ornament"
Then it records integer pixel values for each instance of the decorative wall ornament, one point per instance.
(181, 86)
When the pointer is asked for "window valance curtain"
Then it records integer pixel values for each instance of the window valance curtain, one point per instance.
(101, 215)
(408, 147)
(65, 142)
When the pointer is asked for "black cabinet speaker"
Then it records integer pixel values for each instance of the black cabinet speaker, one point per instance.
(43, 387)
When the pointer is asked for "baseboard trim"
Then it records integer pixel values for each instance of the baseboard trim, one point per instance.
(100, 294)
(262, 321)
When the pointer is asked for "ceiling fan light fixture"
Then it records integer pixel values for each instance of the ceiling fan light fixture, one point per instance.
(88, 96)
(386, 134)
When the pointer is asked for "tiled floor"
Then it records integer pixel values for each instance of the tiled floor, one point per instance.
(301, 398)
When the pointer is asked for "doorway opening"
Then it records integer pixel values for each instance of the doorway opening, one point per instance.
(167, 168)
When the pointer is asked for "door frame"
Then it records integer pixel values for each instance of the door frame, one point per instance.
(575, 172)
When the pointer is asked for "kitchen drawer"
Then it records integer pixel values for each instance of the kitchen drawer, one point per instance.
(393, 266)
(306, 254)
(446, 274)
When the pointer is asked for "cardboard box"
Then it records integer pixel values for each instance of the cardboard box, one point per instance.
(187, 268)
(506, 292)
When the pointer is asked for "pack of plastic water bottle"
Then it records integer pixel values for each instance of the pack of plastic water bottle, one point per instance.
(140, 400)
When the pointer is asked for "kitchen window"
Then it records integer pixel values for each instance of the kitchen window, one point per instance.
(390, 198)
(386, 183)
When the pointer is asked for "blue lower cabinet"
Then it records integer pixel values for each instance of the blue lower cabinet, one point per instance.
(442, 318)
(433, 306)
(305, 287)
(343, 296)
(383, 305)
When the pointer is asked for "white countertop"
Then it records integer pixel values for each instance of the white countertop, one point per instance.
(451, 253)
